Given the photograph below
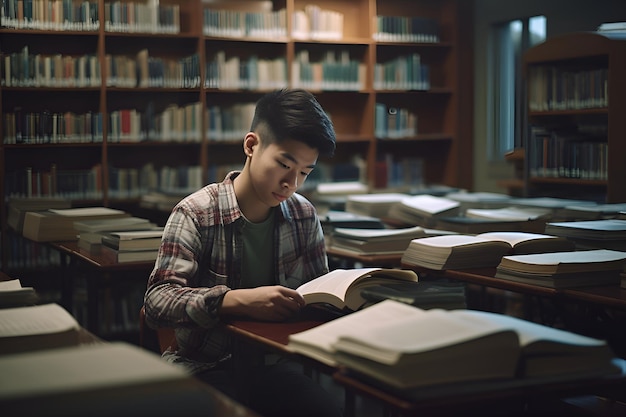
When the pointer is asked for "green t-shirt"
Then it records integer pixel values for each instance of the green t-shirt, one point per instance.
(258, 254)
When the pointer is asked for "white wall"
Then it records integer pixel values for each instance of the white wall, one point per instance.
(562, 16)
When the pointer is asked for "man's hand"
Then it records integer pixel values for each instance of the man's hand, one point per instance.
(270, 303)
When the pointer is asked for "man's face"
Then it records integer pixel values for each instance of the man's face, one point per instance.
(278, 170)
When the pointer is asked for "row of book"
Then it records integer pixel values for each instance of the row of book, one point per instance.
(175, 123)
(25, 69)
(407, 29)
(402, 73)
(52, 127)
(50, 15)
(143, 70)
(391, 122)
(239, 24)
(234, 72)
(123, 182)
(555, 88)
(336, 70)
(148, 17)
(568, 155)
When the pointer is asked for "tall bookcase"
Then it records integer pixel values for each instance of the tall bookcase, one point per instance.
(576, 105)
(109, 129)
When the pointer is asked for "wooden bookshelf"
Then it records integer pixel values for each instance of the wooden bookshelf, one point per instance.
(576, 100)
(105, 165)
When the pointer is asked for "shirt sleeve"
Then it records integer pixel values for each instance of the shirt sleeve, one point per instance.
(174, 297)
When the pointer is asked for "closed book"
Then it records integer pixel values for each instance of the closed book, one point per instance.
(116, 256)
(134, 240)
(58, 225)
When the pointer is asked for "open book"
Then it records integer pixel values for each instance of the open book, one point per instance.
(341, 288)
(44, 326)
(407, 347)
(482, 250)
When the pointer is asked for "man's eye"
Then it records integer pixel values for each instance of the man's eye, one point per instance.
(283, 165)
(304, 174)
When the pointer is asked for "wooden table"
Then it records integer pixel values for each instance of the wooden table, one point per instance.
(101, 272)
(273, 337)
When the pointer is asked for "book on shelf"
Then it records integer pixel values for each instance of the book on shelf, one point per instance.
(423, 294)
(451, 346)
(58, 224)
(116, 256)
(134, 240)
(18, 207)
(378, 241)
(375, 205)
(341, 288)
(99, 379)
(478, 251)
(44, 326)
(13, 294)
(564, 269)
(423, 210)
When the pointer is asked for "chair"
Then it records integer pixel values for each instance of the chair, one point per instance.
(157, 340)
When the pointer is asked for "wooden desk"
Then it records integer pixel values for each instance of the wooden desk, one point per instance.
(101, 272)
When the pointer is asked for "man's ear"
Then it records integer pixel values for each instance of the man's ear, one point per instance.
(250, 141)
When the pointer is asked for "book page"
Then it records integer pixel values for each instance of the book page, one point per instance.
(10, 285)
(514, 237)
(335, 282)
(325, 335)
(32, 320)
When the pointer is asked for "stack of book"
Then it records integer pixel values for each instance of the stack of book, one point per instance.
(132, 245)
(423, 210)
(375, 205)
(591, 211)
(564, 269)
(334, 219)
(18, 207)
(479, 251)
(377, 241)
(602, 233)
(479, 199)
(422, 294)
(481, 220)
(90, 232)
(58, 224)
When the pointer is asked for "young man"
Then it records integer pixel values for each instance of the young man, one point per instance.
(238, 249)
